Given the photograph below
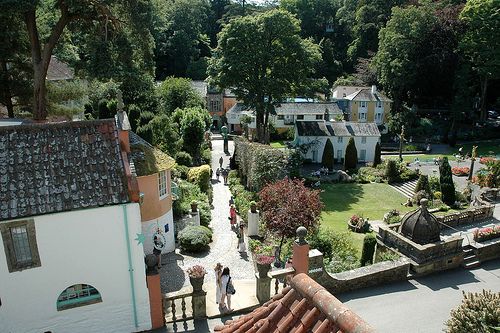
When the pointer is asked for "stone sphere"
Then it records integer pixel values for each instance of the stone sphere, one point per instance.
(151, 260)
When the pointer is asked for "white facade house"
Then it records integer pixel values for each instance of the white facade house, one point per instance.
(315, 134)
(71, 258)
(287, 114)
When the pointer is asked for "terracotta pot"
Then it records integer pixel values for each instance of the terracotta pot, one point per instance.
(197, 283)
(263, 270)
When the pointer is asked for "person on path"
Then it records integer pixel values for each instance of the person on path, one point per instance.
(218, 282)
(225, 174)
(241, 240)
(232, 216)
(221, 161)
(217, 173)
(226, 297)
(231, 201)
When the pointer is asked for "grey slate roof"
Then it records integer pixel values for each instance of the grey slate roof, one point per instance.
(340, 128)
(50, 168)
(365, 94)
(296, 108)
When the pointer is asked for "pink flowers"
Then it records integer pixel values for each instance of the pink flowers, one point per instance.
(485, 160)
(265, 260)
(460, 171)
(482, 234)
(196, 271)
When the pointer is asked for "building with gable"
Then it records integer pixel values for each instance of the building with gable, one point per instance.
(314, 134)
(71, 259)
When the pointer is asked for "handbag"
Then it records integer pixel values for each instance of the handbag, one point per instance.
(230, 288)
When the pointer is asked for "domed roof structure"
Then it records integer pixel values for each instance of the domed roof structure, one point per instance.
(420, 226)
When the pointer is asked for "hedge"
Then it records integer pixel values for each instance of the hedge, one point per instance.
(195, 238)
(200, 176)
(368, 249)
(184, 158)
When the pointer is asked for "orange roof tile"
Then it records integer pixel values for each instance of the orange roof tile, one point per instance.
(304, 306)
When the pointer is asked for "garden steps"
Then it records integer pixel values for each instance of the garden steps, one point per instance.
(407, 188)
(470, 259)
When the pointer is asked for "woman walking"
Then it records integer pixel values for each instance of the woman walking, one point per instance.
(227, 287)
(218, 282)
(241, 240)
(232, 216)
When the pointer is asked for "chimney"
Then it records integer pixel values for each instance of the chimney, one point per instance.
(300, 258)
(374, 89)
(122, 124)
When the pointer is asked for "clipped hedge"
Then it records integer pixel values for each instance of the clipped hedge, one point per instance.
(200, 176)
(242, 197)
(195, 238)
(368, 249)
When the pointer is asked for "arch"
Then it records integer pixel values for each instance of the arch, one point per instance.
(78, 295)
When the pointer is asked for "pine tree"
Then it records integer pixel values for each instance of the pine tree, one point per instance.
(423, 185)
(446, 180)
(327, 160)
(351, 155)
(377, 158)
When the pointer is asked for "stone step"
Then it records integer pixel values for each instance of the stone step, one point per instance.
(470, 257)
(472, 264)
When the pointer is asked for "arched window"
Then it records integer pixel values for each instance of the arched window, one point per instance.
(78, 295)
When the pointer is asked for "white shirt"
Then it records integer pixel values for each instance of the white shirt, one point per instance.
(224, 280)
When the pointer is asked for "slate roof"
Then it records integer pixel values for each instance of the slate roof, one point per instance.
(59, 70)
(365, 94)
(147, 160)
(336, 128)
(50, 168)
(296, 108)
(200, 87)
(304, 306)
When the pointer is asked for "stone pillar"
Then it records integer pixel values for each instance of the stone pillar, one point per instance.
(195, 218)
(199, 304)
(315, 264)
(155, 296)
(300, 259)
(263, 291)
(253, 223)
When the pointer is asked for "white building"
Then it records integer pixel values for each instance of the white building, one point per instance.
(70, 260)
(315, 133)
(286, 114)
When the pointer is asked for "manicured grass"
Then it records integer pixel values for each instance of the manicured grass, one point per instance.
(278, 144)
(369, 200)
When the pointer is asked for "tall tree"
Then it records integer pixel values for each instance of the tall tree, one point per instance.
(327, 160)
(176, 92)
(481, 42)
(446, 182)
(351, 155)
(264, 60)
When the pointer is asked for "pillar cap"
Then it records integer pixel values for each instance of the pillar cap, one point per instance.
(301, 235)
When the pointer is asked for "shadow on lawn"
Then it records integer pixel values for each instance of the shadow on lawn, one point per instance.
(340, 197)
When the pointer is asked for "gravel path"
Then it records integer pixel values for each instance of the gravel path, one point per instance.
(223, 249)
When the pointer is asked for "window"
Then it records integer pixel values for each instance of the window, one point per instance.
(362, 104)
(379, 104)
(78, 295)
(362, 155)
(19, 239)
(162, 184)
(343, 95)
(340, 139)
(362, 116)
(363, 139)
(319, 116)
(300, 117)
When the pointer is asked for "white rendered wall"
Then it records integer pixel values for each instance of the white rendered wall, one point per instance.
(86, 246)
(369, 146)
(149, 228)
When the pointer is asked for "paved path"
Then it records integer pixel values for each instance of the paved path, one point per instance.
(421, 305)
(223, 249)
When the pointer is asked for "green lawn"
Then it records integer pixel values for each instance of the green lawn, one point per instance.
(369, 200)
(278, 144)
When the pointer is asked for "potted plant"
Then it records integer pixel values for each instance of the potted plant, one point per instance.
(264, 264)
(194, 206)
(196, 276)
(253, 206)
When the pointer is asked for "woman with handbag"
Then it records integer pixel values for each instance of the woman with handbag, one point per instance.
(218, 282)
(227, 289)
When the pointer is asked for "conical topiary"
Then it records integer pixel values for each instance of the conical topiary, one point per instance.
(446, 180)
(351, 155)
(423, 185)
(377, 159)
(327, 160)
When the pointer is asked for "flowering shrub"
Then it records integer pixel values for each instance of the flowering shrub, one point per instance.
(457, 171)
(485, 160)
(356, 219)
(196, 271)
(482, 234)
(265, 260)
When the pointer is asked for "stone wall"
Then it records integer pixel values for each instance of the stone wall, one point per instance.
(488, 251)
(363, 277)
(466, 217)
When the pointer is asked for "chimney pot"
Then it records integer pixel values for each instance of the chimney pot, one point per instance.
(374, 89)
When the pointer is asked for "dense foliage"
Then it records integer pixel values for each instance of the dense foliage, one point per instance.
(242, 197)
(195, 238)
(423, 185)
(327, 159)
(369, 243)
(200, 176)
(187, 193)
(446, 181)
(351, 155)
(337, 248)
(377, 157)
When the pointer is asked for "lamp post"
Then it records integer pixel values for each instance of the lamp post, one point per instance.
(401, 141)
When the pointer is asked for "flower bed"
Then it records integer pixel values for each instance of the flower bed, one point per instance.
(460, 171)
(487, 159)
(483, 234)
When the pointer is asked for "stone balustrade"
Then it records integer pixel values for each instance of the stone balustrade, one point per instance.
(196, 309)
(466, 217)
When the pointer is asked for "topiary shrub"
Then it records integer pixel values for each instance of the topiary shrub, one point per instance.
(195, 238)
(369, 243)
(184, 158)
(419, 196)
(423, 185)
(479, 312)
(391, 171)
(180, 171)
(377, 159)
(206, 156)
(351, 155)
(446, 181)
(200, 176)
(327, 160)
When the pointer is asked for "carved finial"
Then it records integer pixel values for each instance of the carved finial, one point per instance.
(423, 203)
(301, 236)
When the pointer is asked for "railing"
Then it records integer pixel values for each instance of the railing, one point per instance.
(280, 275)
(169, 304)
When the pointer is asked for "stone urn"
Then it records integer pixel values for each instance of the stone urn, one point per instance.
(253, 207)
(263, 269)
(194, 206)
(197, 283)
